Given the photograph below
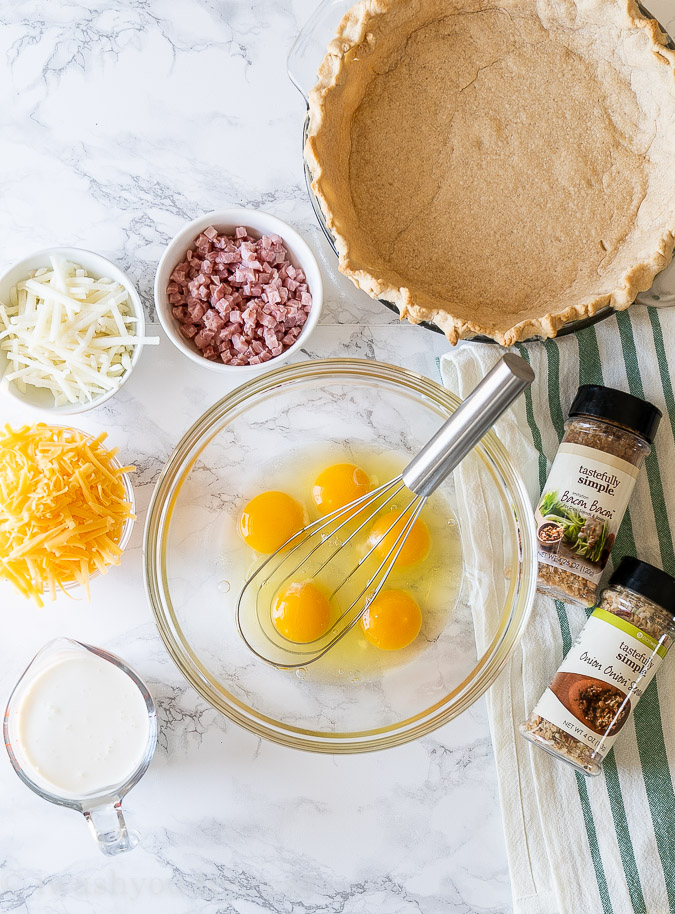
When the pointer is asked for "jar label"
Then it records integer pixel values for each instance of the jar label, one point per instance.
(601, 680)
(581, 508)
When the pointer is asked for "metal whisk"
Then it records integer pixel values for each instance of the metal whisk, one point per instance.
(314, 552)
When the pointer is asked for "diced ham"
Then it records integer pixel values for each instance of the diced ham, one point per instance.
(270, 338)
(203, 338)
(196, 312)
(238, 298)
(213, 320)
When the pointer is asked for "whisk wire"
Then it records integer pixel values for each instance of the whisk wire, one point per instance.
(396, 520)
(395, 549)
(397, 546)
(356, 532)
(377, 499)
(315, 527)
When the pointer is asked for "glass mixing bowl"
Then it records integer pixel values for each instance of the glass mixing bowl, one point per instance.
(194, 569)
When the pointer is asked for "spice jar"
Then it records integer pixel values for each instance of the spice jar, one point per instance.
(607, 437)
(607, 669)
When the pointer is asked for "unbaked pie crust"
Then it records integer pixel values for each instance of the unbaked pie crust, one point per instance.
(497, 168)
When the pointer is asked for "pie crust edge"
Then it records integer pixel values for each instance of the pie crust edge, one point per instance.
(352, 31)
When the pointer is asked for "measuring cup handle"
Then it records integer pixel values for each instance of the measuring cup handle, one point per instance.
(109, 828)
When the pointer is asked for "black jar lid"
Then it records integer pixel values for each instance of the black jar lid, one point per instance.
(633, 413)
(647, 580)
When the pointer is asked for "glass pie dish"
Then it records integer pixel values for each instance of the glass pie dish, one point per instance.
(303, 61)
(340, 407)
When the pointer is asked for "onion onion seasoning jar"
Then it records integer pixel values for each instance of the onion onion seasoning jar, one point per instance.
(607, 437)
(607, 669)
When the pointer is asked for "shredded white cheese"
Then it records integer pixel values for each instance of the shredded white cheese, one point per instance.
(69, 333)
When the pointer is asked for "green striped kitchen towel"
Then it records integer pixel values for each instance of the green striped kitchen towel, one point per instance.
(602, 845)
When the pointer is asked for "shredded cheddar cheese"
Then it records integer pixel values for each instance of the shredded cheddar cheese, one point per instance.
(63, 507)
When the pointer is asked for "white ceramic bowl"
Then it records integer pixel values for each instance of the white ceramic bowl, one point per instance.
(98, 267)
(226, 221)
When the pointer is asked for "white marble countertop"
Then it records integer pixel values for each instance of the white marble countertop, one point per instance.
(118, 122)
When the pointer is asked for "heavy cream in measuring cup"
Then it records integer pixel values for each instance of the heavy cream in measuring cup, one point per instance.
(82, 726)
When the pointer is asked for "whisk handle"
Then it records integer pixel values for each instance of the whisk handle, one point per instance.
(466, 426)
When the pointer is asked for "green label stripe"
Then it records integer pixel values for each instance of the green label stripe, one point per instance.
(591, 373)
(596, 857)
(590, 366)
(557, 414)
(654, 761)
(534, 430)
(651, 463)
(651, 643)
(558, 420)
(624, 544)
(648, 726)
(564, 623)
(621, 828)
(660, 347)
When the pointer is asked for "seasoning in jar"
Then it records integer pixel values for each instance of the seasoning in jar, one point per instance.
(607, 669)
(607, 437)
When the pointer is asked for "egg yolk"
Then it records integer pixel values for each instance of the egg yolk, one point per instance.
(392, 621)
(301, 612)
(415, 546)
(269, 519)
(337, 485)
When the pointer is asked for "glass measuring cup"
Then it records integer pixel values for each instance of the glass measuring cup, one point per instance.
(102, 808)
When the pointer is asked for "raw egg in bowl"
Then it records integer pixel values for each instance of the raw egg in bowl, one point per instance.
(289, 447)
